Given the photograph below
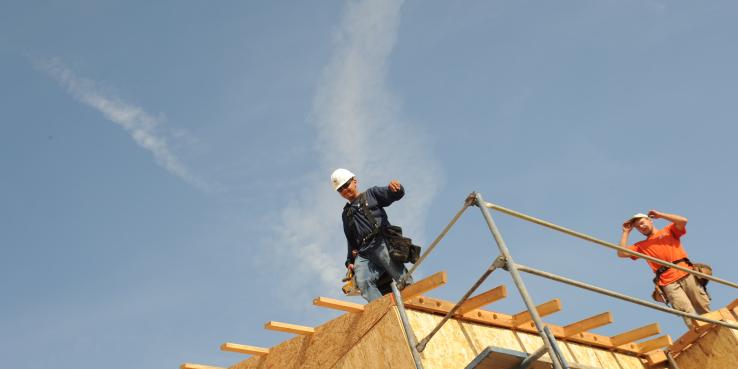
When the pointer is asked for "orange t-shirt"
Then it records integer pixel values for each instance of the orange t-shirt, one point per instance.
(664, 244)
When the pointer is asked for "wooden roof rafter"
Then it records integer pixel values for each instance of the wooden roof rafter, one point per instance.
(635, 334)
(586, 324)
(198, 366)
(244, 349)
(547, 308)
(483, 299)
(338, 304)
(289, 328)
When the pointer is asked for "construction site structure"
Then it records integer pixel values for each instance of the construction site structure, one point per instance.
(463, 335)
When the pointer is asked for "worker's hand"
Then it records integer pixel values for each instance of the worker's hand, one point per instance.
(627, 227)
(655, 214)
(395, 185)
(350, 267)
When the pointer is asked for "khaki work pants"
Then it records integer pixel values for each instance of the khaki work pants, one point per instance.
(689, 296)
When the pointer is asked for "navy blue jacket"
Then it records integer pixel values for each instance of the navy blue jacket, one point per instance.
(377, 199)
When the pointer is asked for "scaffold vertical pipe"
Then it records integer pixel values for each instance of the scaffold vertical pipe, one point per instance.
(411, 341)
(556, 348)
(517, 279)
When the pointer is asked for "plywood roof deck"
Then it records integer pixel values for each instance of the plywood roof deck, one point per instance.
(374, 331)
(371, 336)
(708, 345)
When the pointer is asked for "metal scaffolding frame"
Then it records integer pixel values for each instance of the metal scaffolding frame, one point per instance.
(506, 262)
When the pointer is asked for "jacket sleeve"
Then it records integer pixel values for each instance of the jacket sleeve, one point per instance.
(350, 240)
(385, 197)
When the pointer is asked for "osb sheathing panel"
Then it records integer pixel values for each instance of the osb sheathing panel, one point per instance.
(717, 349)
(330, 342)
(607, 359)
(458, 343)
(628, 362)
(583, 355)
(532, 342)
(451, 347)
(385, 346)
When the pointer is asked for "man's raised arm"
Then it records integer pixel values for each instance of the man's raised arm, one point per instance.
(627, 227)
(679, 221)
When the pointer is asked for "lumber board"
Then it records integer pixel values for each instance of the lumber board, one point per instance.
(655, 357)
(588, 323)
(714, 315)
(244, 349)
(197, 366)
(289, 328)
(730, 315)
(546, 308)
(732, 305)
(429, 304)
(689, 337)
(635, 334)
(653, 344)
(489, 318)
(482, 299)
(598, 340)
(330, 303)
(424, 285)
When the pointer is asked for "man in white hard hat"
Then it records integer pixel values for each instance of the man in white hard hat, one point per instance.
(681, 289)
(364, 239)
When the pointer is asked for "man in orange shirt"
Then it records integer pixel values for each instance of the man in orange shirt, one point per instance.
(680, 288)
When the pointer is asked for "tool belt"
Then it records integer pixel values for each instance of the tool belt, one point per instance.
(400, 248)
(657, 293)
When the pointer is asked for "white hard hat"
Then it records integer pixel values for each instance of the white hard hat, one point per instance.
(636, 216)
(339, 177)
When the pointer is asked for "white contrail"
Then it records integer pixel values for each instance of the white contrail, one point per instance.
(143, 128)
(359, 127)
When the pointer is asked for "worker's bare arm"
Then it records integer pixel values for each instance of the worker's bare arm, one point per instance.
(678, 220)
(627, 227)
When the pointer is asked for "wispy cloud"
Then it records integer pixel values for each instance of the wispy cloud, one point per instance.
(359, 126)
(142, 126)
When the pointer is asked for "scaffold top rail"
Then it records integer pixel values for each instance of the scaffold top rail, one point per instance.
(605, 243)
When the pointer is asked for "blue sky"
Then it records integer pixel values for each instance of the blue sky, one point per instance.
(165, 165)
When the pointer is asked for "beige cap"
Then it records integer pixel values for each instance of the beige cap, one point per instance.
(636, 216)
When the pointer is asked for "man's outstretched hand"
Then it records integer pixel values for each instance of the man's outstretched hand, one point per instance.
(395, 185)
